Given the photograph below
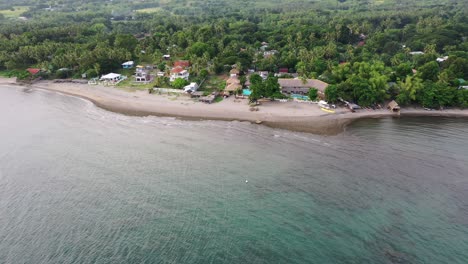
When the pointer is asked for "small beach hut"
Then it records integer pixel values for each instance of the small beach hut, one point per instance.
(393, 106)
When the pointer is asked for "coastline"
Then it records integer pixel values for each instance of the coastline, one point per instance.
(300, 117)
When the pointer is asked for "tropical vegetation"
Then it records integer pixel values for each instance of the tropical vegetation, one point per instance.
(364, 49)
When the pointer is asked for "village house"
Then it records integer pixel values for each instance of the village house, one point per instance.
(297, 86)
(182, 63)
(180, 70)
(128, 64)
(285, 72)
(112, 78)
(142, 75)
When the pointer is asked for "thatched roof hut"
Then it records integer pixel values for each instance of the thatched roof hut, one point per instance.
(232, 85)
(393, 106)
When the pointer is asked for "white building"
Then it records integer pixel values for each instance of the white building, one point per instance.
(112, 78)
(192, 87)
(128, 64)
(179, 72)
(442, 59)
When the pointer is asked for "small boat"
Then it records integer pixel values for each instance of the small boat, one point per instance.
(323, 104)
(327, 110)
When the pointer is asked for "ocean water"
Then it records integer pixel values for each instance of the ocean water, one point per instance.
(79, 184)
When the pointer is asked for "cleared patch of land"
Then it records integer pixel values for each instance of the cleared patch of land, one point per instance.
(149, 10)
(212, 84)
(15, 12)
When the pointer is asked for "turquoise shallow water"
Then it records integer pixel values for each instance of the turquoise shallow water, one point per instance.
(82, 185)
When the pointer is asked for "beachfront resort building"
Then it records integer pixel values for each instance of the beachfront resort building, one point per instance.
(298, 86)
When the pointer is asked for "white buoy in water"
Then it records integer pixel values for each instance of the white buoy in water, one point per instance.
(246, 181)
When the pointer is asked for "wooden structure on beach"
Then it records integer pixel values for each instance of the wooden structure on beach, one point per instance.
(196, 94)
(393, 106)
(209, 98)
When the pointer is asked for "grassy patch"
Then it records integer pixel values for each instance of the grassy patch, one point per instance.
(129, 83)
(7, 74)
(11, 73)
(212, 84)
(16, 12)
(218, 99)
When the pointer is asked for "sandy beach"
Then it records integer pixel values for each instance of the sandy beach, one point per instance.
(302, 117)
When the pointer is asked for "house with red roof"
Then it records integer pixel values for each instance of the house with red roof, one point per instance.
(182, 63)
(180, 70)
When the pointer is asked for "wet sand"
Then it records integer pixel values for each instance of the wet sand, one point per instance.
(301, 117)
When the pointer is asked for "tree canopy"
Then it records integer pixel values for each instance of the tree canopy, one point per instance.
(364, 50)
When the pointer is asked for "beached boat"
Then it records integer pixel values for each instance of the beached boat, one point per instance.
(327, 110)
(325, 107)
(323, 104)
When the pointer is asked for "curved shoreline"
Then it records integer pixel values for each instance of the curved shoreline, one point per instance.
(291, 116)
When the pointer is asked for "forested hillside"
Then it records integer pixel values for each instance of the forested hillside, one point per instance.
(363, 48)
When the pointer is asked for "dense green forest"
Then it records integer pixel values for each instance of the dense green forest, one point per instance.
(363, 48)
